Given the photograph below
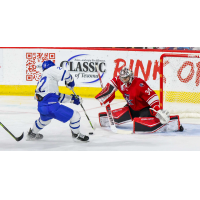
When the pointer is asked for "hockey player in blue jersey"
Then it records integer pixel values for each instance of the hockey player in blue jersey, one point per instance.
(49, 99)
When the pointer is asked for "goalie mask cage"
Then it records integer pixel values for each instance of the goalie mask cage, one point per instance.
(180, 84)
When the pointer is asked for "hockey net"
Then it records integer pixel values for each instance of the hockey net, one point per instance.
(180, 84)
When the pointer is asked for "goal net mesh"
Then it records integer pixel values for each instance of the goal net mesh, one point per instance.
(181, 86)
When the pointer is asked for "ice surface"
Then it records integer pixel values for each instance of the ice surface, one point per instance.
(19, 113)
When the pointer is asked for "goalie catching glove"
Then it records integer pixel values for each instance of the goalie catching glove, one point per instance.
(106, 95)
(70, 83)
(76, 99)
(162, 115)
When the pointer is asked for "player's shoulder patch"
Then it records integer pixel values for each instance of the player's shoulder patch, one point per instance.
(140, 82)
(141, 85)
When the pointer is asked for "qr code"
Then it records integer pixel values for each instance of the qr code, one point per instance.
(31, 60)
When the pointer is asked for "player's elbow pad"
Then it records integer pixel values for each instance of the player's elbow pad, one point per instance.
(106, 95)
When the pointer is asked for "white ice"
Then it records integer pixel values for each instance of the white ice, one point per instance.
(18, 113)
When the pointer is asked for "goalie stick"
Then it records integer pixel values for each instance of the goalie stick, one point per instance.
(84, 112)
(16, 138)
(109, 112)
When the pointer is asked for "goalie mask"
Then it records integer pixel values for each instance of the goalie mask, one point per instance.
(126, 76)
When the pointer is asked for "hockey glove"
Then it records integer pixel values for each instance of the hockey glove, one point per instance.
(106, 95)
(76, 99)
(70, 84)
(162, 115)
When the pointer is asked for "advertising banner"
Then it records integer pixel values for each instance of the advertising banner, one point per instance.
(81, 64)
(32, 59)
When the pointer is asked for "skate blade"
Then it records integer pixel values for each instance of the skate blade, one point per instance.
(77, 140)
(32, 139)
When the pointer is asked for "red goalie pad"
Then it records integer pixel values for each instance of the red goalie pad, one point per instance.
(152, 124)
(106, 95)
(120, 116)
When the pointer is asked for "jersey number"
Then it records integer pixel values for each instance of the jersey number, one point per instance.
(44, 79)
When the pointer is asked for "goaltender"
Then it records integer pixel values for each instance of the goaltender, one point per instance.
(142, 102)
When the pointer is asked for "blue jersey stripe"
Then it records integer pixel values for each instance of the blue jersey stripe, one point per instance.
(63, 75)
(62, 98)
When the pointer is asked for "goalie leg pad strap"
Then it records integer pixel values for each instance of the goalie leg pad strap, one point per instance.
(152, 125)
(121, 116)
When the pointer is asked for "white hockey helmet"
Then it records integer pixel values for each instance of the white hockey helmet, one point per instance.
(124, 74)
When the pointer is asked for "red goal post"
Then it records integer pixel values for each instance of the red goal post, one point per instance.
(181, 66)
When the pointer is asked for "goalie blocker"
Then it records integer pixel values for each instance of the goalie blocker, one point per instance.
(141, 124)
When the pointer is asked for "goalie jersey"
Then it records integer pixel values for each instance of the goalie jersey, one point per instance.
(138, 94)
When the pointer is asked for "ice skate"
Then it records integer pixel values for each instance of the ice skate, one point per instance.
(33, 136)
(80, 137)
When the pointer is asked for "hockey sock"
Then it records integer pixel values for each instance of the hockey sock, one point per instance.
(39, 125)
(75, 122)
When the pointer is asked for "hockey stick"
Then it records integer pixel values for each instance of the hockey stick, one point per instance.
(109, 112)
(84, 111)
(16, 138)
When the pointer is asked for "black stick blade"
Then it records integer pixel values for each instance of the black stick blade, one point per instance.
(20, 138)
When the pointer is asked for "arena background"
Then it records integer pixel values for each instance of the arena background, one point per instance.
(19, 75)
